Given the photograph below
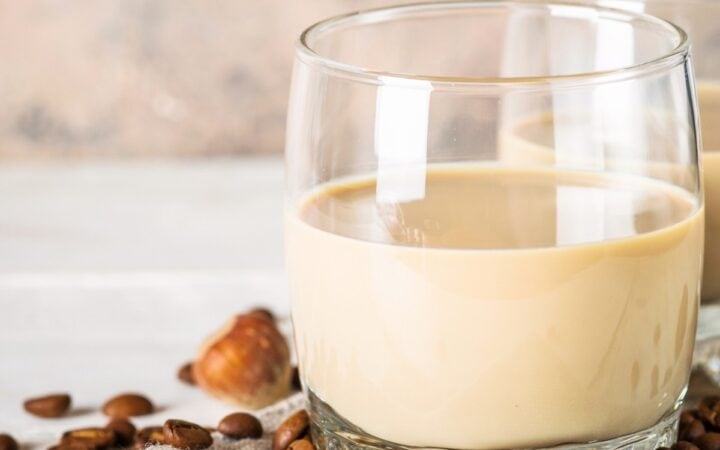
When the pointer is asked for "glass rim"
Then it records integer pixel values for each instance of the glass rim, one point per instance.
(305, 52)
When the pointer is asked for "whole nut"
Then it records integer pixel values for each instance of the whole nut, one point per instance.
(149, 436)
(128, 405)
(708, 441)
(124, 431)
(692, 431)
(182, 434)
(7, 442)
(301, 444)
(48, 406)
(186, 375)
(89, 438)
(292, 429)
(263, 312)
(246, 363)
(241, 426)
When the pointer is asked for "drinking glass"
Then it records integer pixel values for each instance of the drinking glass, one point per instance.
(494, 226)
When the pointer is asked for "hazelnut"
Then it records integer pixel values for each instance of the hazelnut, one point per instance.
(246, 363)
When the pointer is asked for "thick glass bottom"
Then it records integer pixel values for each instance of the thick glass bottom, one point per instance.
(707, 346)
(331, 431)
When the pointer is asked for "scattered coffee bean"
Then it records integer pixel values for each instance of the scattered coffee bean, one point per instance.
(292, 429)
(186, 374)
(7, 442)
(48, 406)
(263, 312)
(124, 431)
(687, 417)
(241, 426)
(708, 441)
(69, 446)
(692, 431)
(187, 435)
(301, 444)
(128, 405)
(685, 445)
(89, 438)
(296, 383)
(708, 410)
(149, 436)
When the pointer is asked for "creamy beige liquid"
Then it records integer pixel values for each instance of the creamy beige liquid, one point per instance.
(533, 140)
(709, 101)
(503, 309)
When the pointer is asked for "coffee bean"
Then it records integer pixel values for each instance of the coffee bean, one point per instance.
(708, 441)
(69, 446)
(128, 405)
(292, 429)
(241, 426)
(186, 374)
(124, 431)
(89, 438)
(149, 436)
(687, 417)
(296, 383)
(684, 445)
(263, 312)
(709, 409)
(48, 406)
(301, 444)
(182, 434)
(7, 442)
(692, 431)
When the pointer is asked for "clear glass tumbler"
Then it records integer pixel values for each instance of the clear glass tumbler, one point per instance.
(494, 226)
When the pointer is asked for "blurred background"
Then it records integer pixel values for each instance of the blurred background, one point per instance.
(140, 190)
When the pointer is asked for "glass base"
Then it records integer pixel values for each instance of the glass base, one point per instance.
(707, 346)
(331, 431)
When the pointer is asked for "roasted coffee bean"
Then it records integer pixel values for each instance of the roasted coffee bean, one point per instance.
(241, 426)
(687, 417)
(708, 441)
(301, 444)
(685, 445)
(182, 434)
(124, 431)
(149, 436)
(186, 374)
(709, 409)
(691, 431)
(292, 429)
(296, 383)
(263, 312)
(90, 438)
(69, 446)
(128, 405)
(7, 442)
(48, 406)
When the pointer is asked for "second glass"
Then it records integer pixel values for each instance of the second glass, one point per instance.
(699, 18)
(494, 226)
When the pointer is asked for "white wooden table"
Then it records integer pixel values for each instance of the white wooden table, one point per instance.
(112, 273)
